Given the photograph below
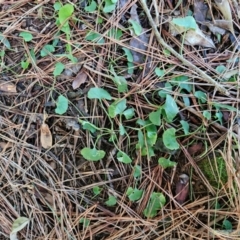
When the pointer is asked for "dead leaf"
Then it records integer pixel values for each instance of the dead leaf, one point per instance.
(7, 87)
(214, 29)
(196, 37)
(224, 7)
(182, 188)
(195, 148)
(200, 10)
(225, 24)
(46, 136)
(79, 79)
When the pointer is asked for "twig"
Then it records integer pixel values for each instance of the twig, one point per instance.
(204, 76)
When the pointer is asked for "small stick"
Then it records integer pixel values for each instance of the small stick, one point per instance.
(204, 76)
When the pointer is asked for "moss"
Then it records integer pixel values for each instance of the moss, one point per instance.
(214, 170)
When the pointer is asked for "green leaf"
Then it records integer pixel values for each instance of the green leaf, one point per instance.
(186, 101)
(19, 224)
(155, 203)
(220, 105)
(182, 82)
(167, 89)
(62, 105)
(95, 37)
(92, 154)
(129, 113)
(134, 194)
(219, 116)
(92, 7)
(186, 23)
(117, 107)
(227, 224)
(85, 222)
(121, 83)
(137, 171)
(109, 6)
(26, 36)
(165, 163)
(115, 33)
(151, 134)
(122, 130)
(159, 72)
(5, 42)
(88, 126)
(47, 49)
(167, 53)
(123, 157)
(207, 114)
(185, 126)
(111, 201)
(171, 108)
(221, 69)
(98, 93)
(57, 6)
(169, 139)
(201, 96)
(24, 65)
(32, 54)
(59, 67)
(130, 67)
(155, 117)
(128, 53)
(96, 190)
(65, 12)
(136, 27)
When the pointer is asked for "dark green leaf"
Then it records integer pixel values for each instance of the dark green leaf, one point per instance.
(123, 157)
(167, 89)
(98, 93)
(62, 105)
(136, 27)
(109, 6)
(171, 108)
(115, 33)
(47, 49)
(92, 7)
(117, 107)
(26, 36)
(182, 82)
(129, 113)
(95, 37)
(134, 194)
(169, 139)
(88, 126)
(207, 114)
(185, 126)
(155, 117)
(220, 105)
(128, 53)
(4, 40)
(202, 96)
(159, 72)
(121, 83)
(137, 171)
(59, 67)
(227, 224)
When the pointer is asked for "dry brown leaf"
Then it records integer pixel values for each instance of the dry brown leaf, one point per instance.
(7, 87)
(200, 10)
(46, 136)
(79, 79)
(225, 24)
(196, 37)
(182, 188)
(224, 7)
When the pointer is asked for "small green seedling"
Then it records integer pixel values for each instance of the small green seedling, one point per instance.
(62, 105)
(156, 202)
(166, 163)
(134, 194)
(111, 201)
(169, 139)
(92, 154)
(26, 36)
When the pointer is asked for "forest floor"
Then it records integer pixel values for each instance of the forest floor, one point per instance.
(119, 119)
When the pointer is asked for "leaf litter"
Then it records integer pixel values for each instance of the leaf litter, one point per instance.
(139, 137)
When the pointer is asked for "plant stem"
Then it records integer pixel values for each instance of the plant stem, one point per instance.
(204, 76)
